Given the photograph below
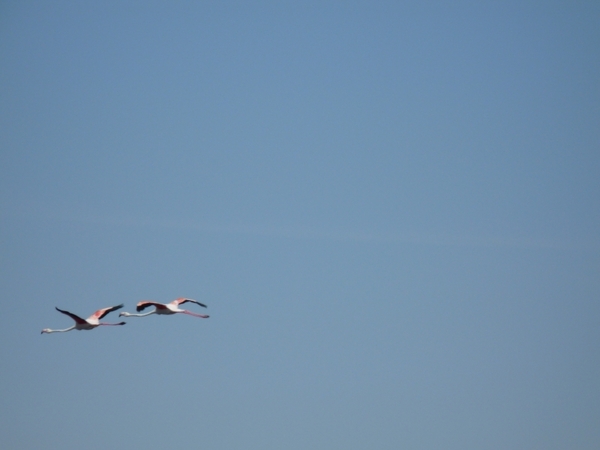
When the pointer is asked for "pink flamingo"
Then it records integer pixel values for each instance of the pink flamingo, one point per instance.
(88, 324)
(165, 308)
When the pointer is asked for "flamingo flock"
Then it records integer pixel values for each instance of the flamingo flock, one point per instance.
(159, 308)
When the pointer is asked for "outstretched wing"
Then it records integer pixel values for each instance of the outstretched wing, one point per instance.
(72, 316)
(182, 300)
(102, 312)
(144, 304)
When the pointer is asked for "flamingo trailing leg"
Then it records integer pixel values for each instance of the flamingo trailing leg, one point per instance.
(86, 324)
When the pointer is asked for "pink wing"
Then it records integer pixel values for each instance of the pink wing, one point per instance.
(144, 304)
(102, 312)
(182, 300)
(72, 316)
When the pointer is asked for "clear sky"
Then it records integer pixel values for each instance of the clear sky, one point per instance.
(391, 209)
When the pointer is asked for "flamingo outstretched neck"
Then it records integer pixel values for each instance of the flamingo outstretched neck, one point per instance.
(48, 330)
(126, 314)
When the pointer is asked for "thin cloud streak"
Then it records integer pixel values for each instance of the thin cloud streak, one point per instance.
(312, 233)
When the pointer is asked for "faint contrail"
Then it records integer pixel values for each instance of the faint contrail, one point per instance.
(299, 232)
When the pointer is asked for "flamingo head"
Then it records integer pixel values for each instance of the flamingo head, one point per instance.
(126, 314)
(45, 330)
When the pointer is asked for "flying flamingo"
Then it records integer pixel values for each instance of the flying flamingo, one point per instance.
(165, 308)
(88, 324)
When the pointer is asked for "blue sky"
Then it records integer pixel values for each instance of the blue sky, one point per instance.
(391, 210)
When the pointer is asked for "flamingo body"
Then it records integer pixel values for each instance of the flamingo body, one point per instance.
(165, 309)
(86, 324)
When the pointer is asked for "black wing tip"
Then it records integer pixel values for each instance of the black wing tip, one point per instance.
(196, 302)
